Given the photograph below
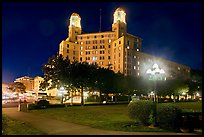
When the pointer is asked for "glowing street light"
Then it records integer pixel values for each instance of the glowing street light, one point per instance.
(155, 73)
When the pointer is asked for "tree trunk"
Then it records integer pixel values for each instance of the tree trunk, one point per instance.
(82, 96)
(71, 98)
(100, 101)
(129, 97)
(106, 98)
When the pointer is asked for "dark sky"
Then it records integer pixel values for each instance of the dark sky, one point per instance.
(31, 32)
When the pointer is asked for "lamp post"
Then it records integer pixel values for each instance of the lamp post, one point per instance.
(62, 93)
(155, 75)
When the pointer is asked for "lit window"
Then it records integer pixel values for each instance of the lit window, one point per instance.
(138, 63)
(134, 57)
(119, 48)
(109, 62)
(179, 68)
(134, 67)
(138, 73)
(81, 48)
(81, 53)
(94, 58)
(109, 41)
(128, 47)
(81, 43)
(137, 49)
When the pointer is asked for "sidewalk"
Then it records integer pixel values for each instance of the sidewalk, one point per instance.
(56, 127)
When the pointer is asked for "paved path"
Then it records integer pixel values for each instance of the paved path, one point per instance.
(56, 127)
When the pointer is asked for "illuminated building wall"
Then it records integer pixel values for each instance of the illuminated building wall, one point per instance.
(27, 81)
(37, 81)
(116, 49)
(5, 87)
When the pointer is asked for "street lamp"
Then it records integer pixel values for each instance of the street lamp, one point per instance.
(62, 91)
(155, 73)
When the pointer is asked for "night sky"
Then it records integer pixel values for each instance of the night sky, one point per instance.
(31, 32)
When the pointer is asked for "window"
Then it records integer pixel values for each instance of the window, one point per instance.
(74, 52)
(128, 42)
(109, 46)
(119, 48)
(108, 51)
(94, 36)
(102, 52)
(128, 47)
(81, 53)
(108, 57)
(67, 51)
(81, 48)
(134, 67)
(102, 36)
(80, 58)
(81, 43)
(138, 63)
(94, 58)
(119, 42)
(109, 41)
(95, 42)
(137, 49)
(87, 37)
(67, 45)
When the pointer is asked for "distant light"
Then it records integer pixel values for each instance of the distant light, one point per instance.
(183, 93)
(197, 94)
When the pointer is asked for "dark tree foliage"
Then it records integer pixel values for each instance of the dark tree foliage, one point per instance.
(17, 87)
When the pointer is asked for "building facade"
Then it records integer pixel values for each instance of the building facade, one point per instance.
(27, 81)
(115, 49)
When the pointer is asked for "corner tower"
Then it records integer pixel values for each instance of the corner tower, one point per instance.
(74, 27)
(119, 24)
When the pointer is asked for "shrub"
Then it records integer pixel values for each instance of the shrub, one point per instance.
(93, 99)
(141, 111)
(168, 116)
(43, 102)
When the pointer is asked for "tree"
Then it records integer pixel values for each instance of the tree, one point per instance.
(18, 87)
(104, 82)
(82, 75)
(56, 73)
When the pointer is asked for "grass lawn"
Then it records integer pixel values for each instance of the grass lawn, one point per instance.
(110, 117)
(15, 127)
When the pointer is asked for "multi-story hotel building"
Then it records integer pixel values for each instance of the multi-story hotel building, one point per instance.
(116, 49)
(27, 81)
